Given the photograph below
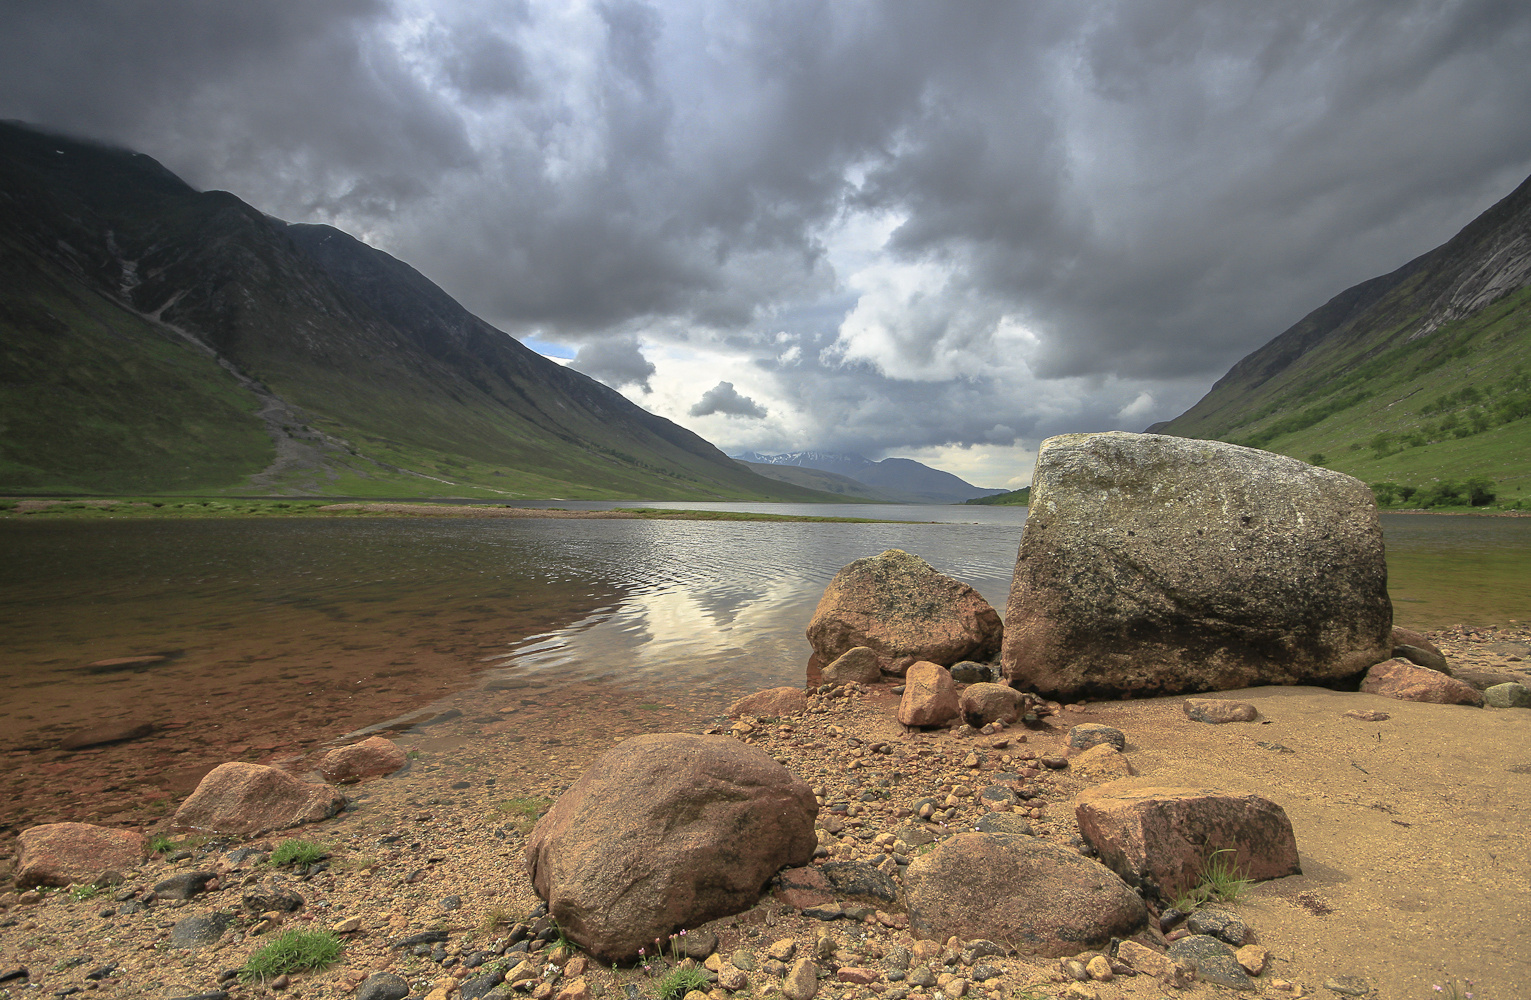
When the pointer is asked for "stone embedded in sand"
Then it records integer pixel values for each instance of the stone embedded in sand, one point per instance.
(1101, 763)
(1401, 679)
(1040, 898)
(983, 703)
(200, 929)
(371, 758)
(1153, 564)
(1509, 695)
(1164, 837)
(1089, 734)
(250, 799)
(898, 606)
(1152, 963)
(1215, 962)
(772, 703)
(1219, 710)
(663, 832)
(1367, 715)
(70, 853)
(857, 665)
(930, 696)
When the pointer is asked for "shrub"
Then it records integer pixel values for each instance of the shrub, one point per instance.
(1480, 491)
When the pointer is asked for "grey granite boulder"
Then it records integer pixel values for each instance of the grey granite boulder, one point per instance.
(1155, 565)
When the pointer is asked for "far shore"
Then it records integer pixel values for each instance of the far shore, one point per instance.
(94, 508)
(97, 508)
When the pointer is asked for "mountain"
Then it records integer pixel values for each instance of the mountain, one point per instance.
(158, 338)
(900, 480)
(844, 487)
(1417, 377)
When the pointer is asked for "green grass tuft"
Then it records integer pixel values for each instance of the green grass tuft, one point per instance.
(524, 811)
(680, 980)
(297, 852)
(292, 951)
(1219, 881)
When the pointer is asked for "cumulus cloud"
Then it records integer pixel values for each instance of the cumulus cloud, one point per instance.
(724, 398)
(618, 362)
(903, 226)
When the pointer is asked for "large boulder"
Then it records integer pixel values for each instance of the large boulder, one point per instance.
(930, 696)
(251, 799)
(1402, 679)
(371, 758)
(68, 853)
(902, 609)
(663, 832)
(1036, 896)
(1155, 565)
(1162, 838)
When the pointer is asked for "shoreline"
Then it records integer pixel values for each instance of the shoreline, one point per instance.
(92, 509)
(1393, 820)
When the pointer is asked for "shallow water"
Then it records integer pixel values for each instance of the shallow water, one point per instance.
(278, 634)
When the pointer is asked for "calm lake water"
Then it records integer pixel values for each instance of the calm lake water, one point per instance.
(274, 617)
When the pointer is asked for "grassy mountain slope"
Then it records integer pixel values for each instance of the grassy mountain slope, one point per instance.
(173, 340)
(1416, 377)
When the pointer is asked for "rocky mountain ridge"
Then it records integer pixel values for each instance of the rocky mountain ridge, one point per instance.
(161, 338)
(1416, 375)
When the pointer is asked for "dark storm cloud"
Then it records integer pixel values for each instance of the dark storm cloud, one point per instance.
(1088, 210)
(724, 398)
(298, 106)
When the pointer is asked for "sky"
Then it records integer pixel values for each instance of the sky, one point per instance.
(940, 231)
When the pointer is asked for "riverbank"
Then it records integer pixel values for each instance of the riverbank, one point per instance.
(90, 509)
(1413, 833)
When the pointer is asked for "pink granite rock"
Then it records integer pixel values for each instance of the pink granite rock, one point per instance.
(930, 696)
(772, 703)
(70, 853)
(371, 758)
(1165, 836)
(251, 799)
(1401, 679)
(983, 703)
(663, 832)
(897, 605)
